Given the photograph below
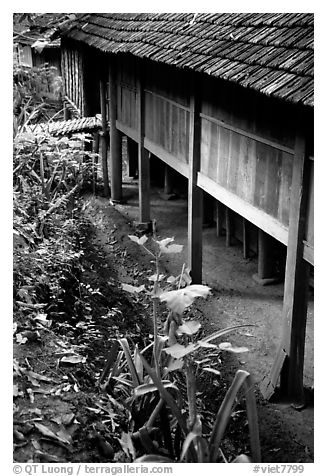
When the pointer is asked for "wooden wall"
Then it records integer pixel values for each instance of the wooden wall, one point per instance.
(258, 173)
(72, 66)
(166, 105)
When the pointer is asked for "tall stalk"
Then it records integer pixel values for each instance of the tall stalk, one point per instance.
(155, 308)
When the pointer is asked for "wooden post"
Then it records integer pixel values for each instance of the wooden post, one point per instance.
(168, 186)
(143, 157)
(115, 138)
(289, 361)
(132, 151)
(265, 255)
(229, 226)
(208, 210)
(245, 238)
(104, 136)
(219, 218)
(195, 195)
(95, 150)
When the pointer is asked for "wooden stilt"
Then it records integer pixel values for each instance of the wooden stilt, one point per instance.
(143, 159)
(168, 185)
(195, 195)
(104, 136)
(288, 364)
(208, 210)
(95, 150)
(115, 138)
(229, 226)
(219, 218)
(245, 238)
(265, 255)
(132, 152)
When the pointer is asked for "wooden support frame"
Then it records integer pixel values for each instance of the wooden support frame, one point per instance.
(288, 365)
(195, 194)
(104, 136)
(115, 138)
(143, 155)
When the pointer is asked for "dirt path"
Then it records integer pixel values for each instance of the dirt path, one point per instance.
(237, 299)
(69, 403)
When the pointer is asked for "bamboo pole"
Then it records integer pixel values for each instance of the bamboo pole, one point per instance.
(104, 138)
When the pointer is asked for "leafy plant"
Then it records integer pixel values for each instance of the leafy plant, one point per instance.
(155, 389)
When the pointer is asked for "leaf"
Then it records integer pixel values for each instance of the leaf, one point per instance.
(20, 339)
(16, 391)
(49, 434)
(178, 300)
(139, 241)
(178, 351)
(170, 401)
(132, 289)
(150, 387)
(224, 413)
(213, 371)
(242, 459)
(153, 459)
(172, 249)
(43, 319)
(133, 372)
(175, 364)
(153, 277)
(73, 359)
(127, 445)
(189, 327)
(171, 279)
(228, 346)
(165, 248)
(206, 345)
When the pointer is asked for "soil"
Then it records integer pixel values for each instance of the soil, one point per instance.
(67, 401)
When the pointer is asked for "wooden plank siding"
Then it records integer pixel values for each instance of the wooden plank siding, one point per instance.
(72, 65)
(167, 114)
(256, 172)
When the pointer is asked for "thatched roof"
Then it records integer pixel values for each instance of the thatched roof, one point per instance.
(269, 52)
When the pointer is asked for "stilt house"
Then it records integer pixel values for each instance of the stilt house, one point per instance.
(226, 100)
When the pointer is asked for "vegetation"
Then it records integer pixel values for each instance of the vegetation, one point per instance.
(152, 391)
(154, 387)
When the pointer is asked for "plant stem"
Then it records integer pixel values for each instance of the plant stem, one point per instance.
(155, 322)
(191, 390)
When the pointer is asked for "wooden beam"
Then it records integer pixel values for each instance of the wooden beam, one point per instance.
(104, 136)
(143, 155)
(128, 131)
(115, 137)
(253, 214)
(289, 362)
(250, 135)
(195, 194)
(167, 157)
